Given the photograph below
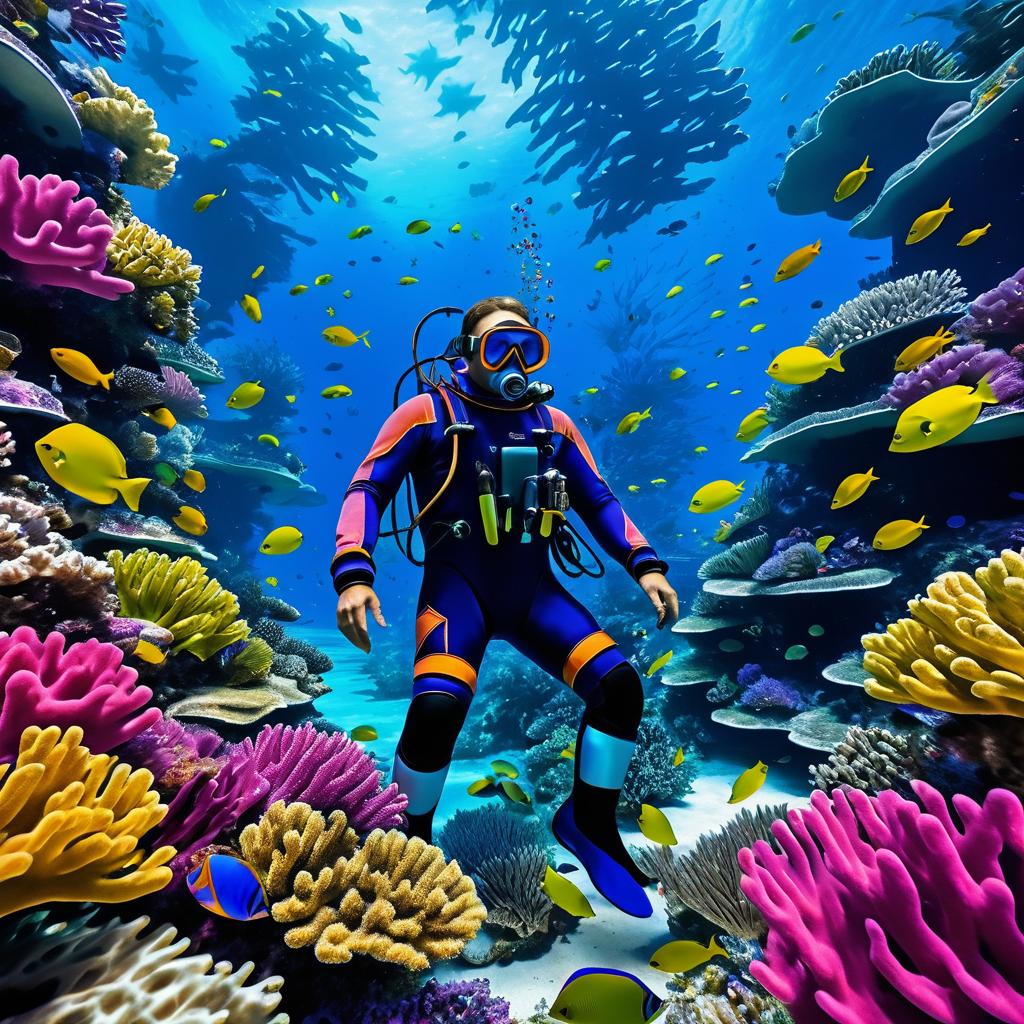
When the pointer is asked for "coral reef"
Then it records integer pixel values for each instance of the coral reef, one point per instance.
(793, 562)
(761, 692)
(315, 659)
(739, 559)
(963, 364)
(174, 752)
(999, 311)
(151, 260)
(867, 759)
(928, 60)
(457, 1002)
(652, 777)
(719, 997)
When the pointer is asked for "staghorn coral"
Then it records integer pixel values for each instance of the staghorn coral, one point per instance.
(506, 855)
(962, 649)
(44, 684)
(964, 364)
(706, 878)
(70, 825)
(151, 260)
(112, 973)
(797, 561)
(867, 759)
(119, 115)
(179, 596)
(927, 60)
(999, 311)
(739, 559)
(890, 910)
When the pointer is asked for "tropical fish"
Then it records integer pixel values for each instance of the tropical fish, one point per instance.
(655, 826)
(83, 461)
(343, 337)
(191, 520)
(681, 956)
(853, 487)
(802, 32)
(676, 289)
(803, 364)
(276, 93)
(602, 265)
(715, 495)
(701, 449)
(360, 232)
(246, 395)
(218, 144)
(480, 786)
(336, 391)
(898, 534)
(742, 348)
(229, 887)
(298, 289)
(408, 280)
(506, 768)
(455, 228)
(162, 415)
(757, 328)
(165, 473)
(79, 366)
(514, 791)
(417, 227)
(713, 258)
(202, 204)
(322, 279)
(30, 32)
(941, 416)
(194, 480)
(823, 542)
(602, 995)
(795, 653)
(749, 301)
(679, 757)
(852, 181)
(920, 351)
(797, 261)
(149, 653)
(347, 293)
(281, 541)
(659, 481)
(633, 488)
(334, 194)
(676, 372)
(569, 752)
(565, 894)
(752, 424)
(659, 663)
(290, 399)
(259, 270)
(972, 236)
(928, 223)
(269, 439)
(749, 782)
(251, 308)
(745, 285)
(364, 734)
(629, 423)
(717, 314)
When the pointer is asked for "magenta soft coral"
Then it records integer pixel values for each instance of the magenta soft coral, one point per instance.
(888, 910)
(60, 240)
(42, 683)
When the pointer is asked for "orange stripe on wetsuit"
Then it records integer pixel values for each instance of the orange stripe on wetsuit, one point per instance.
(586, 650)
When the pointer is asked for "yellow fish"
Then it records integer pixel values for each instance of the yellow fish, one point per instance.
(629, 423)
(514, 791)
(343, 337)
(676, 289)
(701, 449)
(920, 351)
(659, 481)
(681, 956)
(269, 439)
(334, 196)
(803, 364)
(594, 995)
(30, 32)
(90, 465)
(194, 480)
(822, 543)
(633, 488)
(162, 415)
(711, 385)
(928, 223)
(797, 261)
(757, 328)
(736, 391)
(218, 144)
(750, 301)
(742, 348)
(746, 285)
(940, 416)
(408, 280)
(290, 399)
(364, 734)
(251, 308)
(570, 751)
(336, 391)
(272, 92)
(715, 495)
(455, 228)
(79, 366)
(749, 782)
(322, 279)
(298, 289)
(898, 534)
(246, 395)
(330, 311)
(972, 236)
(679, 757)
(602, 265)
(752, 424)
(713, 258)
(256, 273)
(282, 541)
(417, 227)
(149, 653)
(853, 487)
(659, 663)
(480, 786)
(506, 768)
(202, 204)
(191, 520)
(271, 581)
(676, 372)
(852, 181)
(565, 894)
(360, 232)
(655, 826)
(717, 314)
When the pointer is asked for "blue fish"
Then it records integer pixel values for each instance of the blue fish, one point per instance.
(229, 887)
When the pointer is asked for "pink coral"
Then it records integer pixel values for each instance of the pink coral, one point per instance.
(43, 684)
(888, 910)
(61, 240)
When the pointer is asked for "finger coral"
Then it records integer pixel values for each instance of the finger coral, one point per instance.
(889, 910)
(962, 650)
(70, 825)
(151, 260)
(58, 239)
(179, 596)
(868, 759)
(43, 684)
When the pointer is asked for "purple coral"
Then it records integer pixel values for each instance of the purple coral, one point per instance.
(96, 25)
(999, 311)
(451, 1002)
(799, 560)
(59, 240)
(888, 910)
(328, 771)
(23, 394)
(175, 753)
(180, 395)
(42, 683)
(769, 694)
(964, 364)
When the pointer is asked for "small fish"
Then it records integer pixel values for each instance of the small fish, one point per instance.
(298, 289)
(336, 391)
(749, 782)
(752, 424)
(334, 195)
(928, 223)
(364, 734)
(852, 181)
(803, 364)
(736, 391)
(330, 311)
(290, 399)
(343, 337)
(256, 273)
(715, 496)
(629, 423)
(417, 227)
(202, 204)
(455, 228)
(408, 280)
(269, 439)
(658, 664)
(679, 757)
(681, 956)
(713, 258)
(218, 144)
(711, 385)
(149, 653)
(853, 487)
(272, 92)
(701, 449)
(514, 791)
(569, 752)
(251, 308)
(191, 520)
(717, 314)
(823, 542)
(757, 328)
(797, 261)
(742, 348)
(795, 653)
(165, 473)
(79, 366)
(347, 293)
(194, 480)
(30, 32)
(659, 481)
(676, 372)
(747, 284)
(480, 786)
(972, 236)
(898, 534)
(271, 581)
(228, 887)
(676, 289)
(595, 995)
(162, 415)
(360, 232)
(281, 541)
(802, 32)
(749, 301)
(655, 826)
(921, 350)
(246, 395)
(633, 488)
(565, 894)
(506, 768)
(602, 265)
(941, 416)
(815, 630)
(322, 279)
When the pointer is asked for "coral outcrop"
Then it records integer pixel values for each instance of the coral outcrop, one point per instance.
(867, 759)
(926, 60)
(148, 259)
(999, 311)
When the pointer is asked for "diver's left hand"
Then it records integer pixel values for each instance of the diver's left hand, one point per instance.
(663, 596)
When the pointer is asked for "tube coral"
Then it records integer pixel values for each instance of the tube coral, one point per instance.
(70, 825)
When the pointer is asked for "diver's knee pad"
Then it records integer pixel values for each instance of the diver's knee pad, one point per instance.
(431, 728)
(616, 703)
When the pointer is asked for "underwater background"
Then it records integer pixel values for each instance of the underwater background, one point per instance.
(232, 179)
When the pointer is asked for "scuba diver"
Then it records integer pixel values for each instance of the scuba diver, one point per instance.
(494, 471)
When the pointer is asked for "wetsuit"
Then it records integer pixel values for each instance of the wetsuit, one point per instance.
(473, 591)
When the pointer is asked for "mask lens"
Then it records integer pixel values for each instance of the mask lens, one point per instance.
(498, 345)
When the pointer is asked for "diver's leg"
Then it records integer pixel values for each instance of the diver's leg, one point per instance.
(450, 641)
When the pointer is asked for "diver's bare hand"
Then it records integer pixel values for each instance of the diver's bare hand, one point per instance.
(662, 595)
(353, 603)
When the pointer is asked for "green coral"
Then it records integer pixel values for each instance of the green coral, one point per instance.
(252, 662)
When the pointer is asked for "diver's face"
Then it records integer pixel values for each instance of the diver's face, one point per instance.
(478, 374)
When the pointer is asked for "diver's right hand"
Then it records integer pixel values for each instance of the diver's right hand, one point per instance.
(352, 605)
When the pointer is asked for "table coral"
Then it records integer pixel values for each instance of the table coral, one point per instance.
(151, 260)
(70, 825)
(43, 684)
(58, 239)
(961, 650)
(889, 910)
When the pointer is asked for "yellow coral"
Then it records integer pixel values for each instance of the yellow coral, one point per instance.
(70, 825)
(962, 651)
(129, 122)
(151, 260)
(252, 663)
(160, 311)
(179, 596)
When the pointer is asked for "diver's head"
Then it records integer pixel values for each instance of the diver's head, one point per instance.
(505, 348)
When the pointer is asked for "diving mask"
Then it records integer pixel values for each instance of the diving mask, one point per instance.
(499, 345)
